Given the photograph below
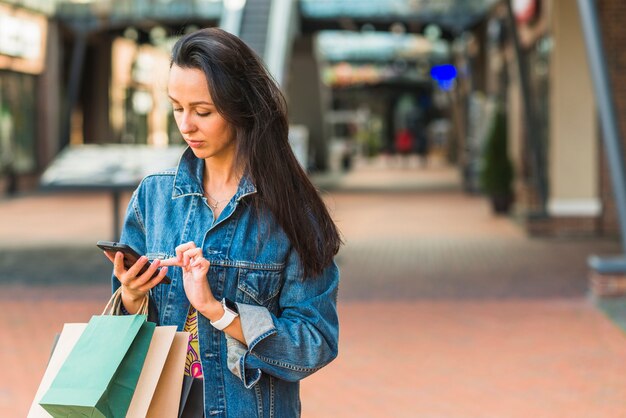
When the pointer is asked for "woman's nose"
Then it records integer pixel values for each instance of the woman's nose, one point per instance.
(185, 124)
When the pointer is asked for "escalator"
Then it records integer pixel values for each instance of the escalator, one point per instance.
(267, 26)
(255, 23)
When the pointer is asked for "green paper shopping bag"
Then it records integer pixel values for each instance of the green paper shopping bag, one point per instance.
(100, 374)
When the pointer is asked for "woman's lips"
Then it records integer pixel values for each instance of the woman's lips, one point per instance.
(194, 144)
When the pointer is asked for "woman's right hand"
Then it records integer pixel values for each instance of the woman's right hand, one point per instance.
(135, 286)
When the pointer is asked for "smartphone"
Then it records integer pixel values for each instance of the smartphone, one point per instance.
(130, 256)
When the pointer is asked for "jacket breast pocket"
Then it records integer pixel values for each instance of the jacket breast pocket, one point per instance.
(258, 286)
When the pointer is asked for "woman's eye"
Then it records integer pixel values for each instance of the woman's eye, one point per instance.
(178, 109)
(203, 114)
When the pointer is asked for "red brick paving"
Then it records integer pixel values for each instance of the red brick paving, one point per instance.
(554, 358)
(548, 358)
(55, 219)
(445, 310)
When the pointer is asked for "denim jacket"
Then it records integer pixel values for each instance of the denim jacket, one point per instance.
(289, 322)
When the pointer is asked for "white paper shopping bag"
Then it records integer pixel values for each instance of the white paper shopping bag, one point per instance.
(151, 372)
(68, 338)
(166, 399)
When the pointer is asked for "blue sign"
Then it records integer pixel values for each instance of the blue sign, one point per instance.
(444, 75)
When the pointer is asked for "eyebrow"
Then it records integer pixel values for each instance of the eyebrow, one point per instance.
(201, 102)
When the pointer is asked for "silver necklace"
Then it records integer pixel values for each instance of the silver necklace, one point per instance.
(217, 202)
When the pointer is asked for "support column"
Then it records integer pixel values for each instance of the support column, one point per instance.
(76, 71)
(612, 140)
(573, 156)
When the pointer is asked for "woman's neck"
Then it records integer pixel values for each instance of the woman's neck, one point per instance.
(220, 178)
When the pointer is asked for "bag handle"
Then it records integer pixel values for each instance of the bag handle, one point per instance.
(114, 306)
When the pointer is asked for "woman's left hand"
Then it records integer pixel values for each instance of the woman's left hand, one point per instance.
(195, 268)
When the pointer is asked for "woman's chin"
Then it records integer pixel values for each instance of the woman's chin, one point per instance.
(199, 153)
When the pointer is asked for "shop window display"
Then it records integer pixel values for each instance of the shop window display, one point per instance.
(17, 123)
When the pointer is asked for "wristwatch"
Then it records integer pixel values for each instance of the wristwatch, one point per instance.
(230, 313)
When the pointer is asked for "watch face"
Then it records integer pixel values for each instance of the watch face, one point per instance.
(231, 305)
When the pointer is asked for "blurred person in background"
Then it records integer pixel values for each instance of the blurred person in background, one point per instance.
(404, 145)
(418, 119)
(249, 243)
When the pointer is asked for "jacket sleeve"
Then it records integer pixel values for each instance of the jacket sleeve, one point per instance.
(298, 342)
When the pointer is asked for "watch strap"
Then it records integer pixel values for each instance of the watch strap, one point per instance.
(226, 319)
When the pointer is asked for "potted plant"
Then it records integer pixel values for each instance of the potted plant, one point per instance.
(496, 176)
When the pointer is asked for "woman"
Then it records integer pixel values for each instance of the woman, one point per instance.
(248, 241)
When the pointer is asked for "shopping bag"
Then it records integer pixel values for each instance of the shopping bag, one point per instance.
(65, 343)
(99, 376)
(151, 372)
(166, 398)
(158, 390)
(192, 398)
(159, 385)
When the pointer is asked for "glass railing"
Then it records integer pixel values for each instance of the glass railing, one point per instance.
(379, 46)
(458, 13)
(140, 9)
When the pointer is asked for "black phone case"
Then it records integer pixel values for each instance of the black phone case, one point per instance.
(127, 250)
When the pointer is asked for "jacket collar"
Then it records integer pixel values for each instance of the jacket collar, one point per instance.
(188, 179)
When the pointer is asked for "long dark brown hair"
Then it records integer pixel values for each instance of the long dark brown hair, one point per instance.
(248, 98)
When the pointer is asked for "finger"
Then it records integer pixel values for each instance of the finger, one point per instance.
(193, 253)
(188, 254)
(118, 267)
(111, 257)
(147, 275)
(156, 279)
(201, 262)
(134, 270)
(182, 248)
(171, 262)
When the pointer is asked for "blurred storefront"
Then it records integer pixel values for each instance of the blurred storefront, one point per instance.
(86, 72)
(116, 62)
(23, 55)
(377, 84)
(94, 72)
(540, 76)
(140, 112)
